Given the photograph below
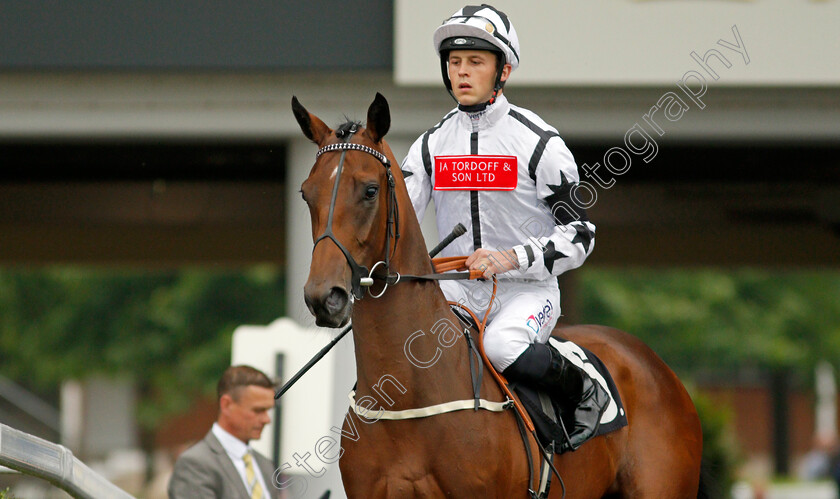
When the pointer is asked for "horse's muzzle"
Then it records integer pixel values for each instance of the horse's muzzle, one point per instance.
(331, 309)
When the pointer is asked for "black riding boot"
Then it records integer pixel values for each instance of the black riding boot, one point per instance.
(542, 366)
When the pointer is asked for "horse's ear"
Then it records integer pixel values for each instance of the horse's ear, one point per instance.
(314, 129)
(378, 118)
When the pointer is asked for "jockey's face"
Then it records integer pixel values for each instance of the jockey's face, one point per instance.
(473, 75)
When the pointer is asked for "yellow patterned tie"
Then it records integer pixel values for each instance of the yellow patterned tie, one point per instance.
(250, 475)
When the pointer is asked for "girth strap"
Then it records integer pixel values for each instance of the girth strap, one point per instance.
(476, 374)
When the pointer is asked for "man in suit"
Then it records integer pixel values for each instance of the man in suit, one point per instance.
(223, 465)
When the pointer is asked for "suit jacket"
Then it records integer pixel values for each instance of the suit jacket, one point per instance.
(206, 471)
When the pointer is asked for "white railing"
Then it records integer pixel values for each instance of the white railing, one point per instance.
(54, 463)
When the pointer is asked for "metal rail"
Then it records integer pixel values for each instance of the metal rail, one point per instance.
(54, 463)
(30, 403)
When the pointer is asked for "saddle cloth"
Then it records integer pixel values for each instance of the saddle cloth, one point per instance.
(548, 429)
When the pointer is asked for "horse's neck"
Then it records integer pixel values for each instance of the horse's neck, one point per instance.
(384, 328)
(398, 338)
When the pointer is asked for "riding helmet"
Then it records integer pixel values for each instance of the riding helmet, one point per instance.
(478, 28)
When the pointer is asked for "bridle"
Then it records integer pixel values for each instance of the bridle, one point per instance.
(361, 276)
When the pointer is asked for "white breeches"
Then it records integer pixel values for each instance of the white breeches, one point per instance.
(523, 312)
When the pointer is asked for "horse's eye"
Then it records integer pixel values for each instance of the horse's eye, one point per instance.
(370, 191)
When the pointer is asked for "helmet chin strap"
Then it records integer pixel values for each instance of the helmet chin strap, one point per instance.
(476, 108)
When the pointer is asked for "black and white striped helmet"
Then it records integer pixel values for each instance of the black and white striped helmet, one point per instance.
(474, 27)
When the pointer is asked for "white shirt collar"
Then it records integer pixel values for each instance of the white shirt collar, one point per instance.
(233, 446)
(490, 116)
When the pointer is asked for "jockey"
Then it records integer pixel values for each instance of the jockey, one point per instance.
(510, 179)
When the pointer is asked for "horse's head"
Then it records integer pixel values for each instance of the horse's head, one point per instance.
(350, 194)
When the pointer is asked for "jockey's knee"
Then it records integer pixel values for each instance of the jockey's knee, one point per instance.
(501, 349)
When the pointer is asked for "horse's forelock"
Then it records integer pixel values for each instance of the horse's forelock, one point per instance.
(345, 128)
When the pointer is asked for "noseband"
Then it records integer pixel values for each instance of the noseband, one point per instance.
(361, 276)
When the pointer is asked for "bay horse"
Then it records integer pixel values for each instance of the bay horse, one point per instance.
(404, 361)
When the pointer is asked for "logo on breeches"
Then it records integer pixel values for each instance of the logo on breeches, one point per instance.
(536, 321)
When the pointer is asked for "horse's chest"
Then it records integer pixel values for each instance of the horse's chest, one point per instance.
(405, 483)
(456, 455)
(394, 467)
(408, 469)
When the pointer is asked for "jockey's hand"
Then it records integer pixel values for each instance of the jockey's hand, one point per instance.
(492, 262)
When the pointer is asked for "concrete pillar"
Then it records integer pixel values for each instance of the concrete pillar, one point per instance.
(97, 417)
(300, 158)
(72, 415)
(826, 408)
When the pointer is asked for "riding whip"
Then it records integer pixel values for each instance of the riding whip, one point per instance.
(457, 232)
(312, 362)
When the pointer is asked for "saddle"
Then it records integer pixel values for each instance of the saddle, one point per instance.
(536, 412)
(550, 417)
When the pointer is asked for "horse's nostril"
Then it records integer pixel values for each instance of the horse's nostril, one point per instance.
(336, 300)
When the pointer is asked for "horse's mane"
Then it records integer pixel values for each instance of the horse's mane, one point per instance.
(345, 128)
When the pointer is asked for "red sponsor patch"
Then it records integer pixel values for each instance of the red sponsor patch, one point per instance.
(475, 173)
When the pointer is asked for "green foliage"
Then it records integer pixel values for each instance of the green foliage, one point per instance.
(717, 318)
(720, 454)
(168, 331)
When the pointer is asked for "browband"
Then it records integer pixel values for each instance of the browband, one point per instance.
(348, 146)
